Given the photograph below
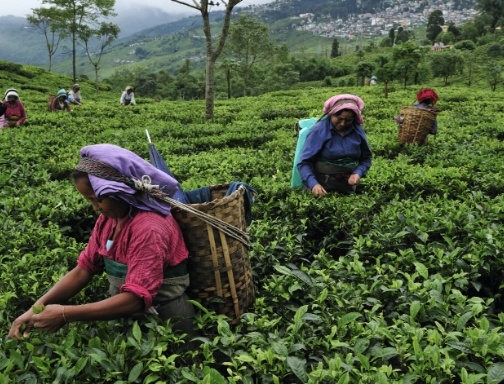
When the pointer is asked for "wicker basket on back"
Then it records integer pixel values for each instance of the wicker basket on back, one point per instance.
(50, 99)
(416, 124)
(219, 266)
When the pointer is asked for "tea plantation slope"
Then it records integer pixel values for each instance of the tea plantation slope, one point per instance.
(398, 283)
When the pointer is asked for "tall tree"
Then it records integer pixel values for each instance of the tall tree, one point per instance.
(494, 9)
(470, 61)
(447, 38)
(447, 63)
(494, 73)
(249, 42)
(335, 48)
(386, 74)
(278, 75)
(228, 66)
(72, 17)
(145, 81)
(406, 58)
(404, 35)
(41, 20)
(453, 29)
(364, 70)
(468, 31)
(391, 34)
(186, 85)
(434, 25)
(105, 35)
(212, 52)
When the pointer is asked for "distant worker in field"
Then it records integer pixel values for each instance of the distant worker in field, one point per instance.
(136, 242)
(3, 106)
(419, 128)
(426, 99)
(60, 103)
(128, 96)
(13, 109)
(74, 95)
(336, 153)
(7, 91)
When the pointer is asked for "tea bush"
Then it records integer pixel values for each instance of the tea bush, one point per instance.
(399, 283)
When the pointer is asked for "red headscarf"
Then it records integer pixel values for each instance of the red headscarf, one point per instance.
(427, 95)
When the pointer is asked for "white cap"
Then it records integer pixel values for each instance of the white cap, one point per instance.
(12, 93)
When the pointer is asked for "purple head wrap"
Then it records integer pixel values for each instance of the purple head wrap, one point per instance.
(132, 166)
(346, 101)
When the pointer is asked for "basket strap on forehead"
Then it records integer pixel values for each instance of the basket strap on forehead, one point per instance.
(101, 170)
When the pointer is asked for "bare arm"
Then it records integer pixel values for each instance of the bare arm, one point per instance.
(54, 316)
(68, 286)
(64, 289)
(115, 307)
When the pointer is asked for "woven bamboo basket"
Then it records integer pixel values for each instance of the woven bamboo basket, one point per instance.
(415, 126)
(11, 121)
(50, 98)
(219, 265)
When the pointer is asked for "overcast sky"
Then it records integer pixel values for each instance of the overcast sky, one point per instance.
(23, 7)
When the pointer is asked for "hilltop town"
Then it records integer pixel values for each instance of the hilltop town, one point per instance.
(406, 14)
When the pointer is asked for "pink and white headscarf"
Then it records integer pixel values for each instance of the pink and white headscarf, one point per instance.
(345, 101)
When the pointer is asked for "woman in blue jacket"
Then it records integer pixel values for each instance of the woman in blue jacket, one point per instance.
(336, 154)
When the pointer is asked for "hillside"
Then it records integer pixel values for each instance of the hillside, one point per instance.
(166, 46)
(29, 45)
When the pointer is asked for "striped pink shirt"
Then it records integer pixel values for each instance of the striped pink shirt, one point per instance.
(146, 243)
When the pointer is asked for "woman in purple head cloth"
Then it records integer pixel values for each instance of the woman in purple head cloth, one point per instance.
(135, 241)
(336, 154)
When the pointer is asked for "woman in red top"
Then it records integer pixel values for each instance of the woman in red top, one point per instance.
(14, 113)
(135, 241)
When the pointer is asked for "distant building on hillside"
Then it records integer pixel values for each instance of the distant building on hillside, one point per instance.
(440, 47)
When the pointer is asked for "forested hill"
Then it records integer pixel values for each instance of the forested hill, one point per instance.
(185, 33)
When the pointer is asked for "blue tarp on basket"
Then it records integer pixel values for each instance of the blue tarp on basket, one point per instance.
(305, 126)
(157, 160)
